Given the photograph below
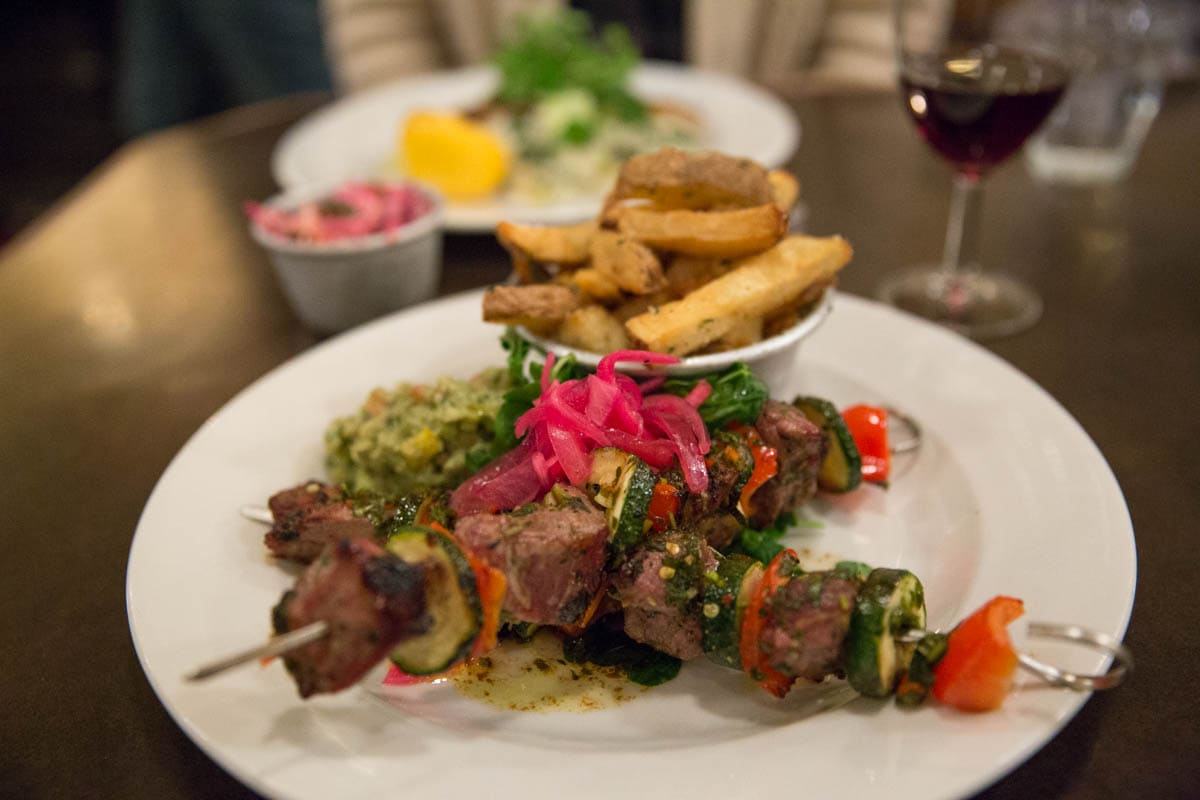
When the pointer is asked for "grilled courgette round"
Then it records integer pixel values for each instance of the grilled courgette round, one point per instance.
(451, 601)
(624, 485)
(727, 591)
(890, 602)
(841, 471)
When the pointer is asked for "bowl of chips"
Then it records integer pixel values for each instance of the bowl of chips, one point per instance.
(691, 256)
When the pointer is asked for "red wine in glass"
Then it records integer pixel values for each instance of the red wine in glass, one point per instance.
(977, 107)
(975, 103)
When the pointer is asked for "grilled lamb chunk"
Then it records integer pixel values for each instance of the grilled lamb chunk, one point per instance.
(312, 515)
(725, 465)
(552, 554)
(719, 530)
(660, 586)
(806, 625)
(371, 599)
(801, 449)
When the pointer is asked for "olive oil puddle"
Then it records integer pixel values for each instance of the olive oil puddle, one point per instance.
(534, 676)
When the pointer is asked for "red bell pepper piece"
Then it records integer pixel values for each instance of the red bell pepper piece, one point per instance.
(869, 427)
(976, 672)
(766, 465)
(664, 505)
(777, 573)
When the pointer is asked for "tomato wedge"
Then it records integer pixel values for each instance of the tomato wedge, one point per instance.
(977, 670)
(777, 573)
(868, 425)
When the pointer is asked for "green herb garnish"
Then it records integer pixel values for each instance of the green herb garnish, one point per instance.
(764, 545)
(737, 395)
(606, 645)
(550, 53)
(525, 386)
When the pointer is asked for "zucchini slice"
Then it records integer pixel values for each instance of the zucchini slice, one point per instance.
(623, 484)
(926, 655)
(727, 592)
(607, 463)
(841, 471)
(451, 600)
(890, 602)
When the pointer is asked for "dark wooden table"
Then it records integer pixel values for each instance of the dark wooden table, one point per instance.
(138, 306)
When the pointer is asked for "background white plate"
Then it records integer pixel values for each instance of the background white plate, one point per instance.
(1007, 495)
(356, 136)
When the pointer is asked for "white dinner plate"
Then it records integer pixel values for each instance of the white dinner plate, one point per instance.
(355, 137)
(1007, 495)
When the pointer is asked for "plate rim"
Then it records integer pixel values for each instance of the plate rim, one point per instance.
(258, 780)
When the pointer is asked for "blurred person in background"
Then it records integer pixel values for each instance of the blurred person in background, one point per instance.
(789, 45)
(182, 59)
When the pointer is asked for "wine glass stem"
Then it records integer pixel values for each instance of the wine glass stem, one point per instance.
(962, 231)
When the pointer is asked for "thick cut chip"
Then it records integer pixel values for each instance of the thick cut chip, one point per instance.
(536, 306)
(672, 178)
(627, 262)
(552, 244)
(757, 287)
(745, 332)
(595, 284)
(595, 329)
(688, 273)
(640, 304)
(785, 189)
(705, 233)
(784, 318)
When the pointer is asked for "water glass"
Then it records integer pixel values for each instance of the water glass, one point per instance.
(1115, 53)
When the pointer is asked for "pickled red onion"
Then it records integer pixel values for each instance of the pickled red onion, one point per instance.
(352, 210)
(572, 418)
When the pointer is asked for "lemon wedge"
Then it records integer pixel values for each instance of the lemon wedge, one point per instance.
(462, 158)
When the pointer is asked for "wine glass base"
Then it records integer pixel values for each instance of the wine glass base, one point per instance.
(979, 305)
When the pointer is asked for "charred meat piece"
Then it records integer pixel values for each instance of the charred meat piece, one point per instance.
(371, 601)
(312, 515)
(806, 625)
(660, 587)
(729, 463)
(551, 552)
(800, 446)
(719, 530)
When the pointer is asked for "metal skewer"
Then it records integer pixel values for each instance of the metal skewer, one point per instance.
(1118, 670)
(257, 514)
(910, 442)
(1122, 663)
(276, 646)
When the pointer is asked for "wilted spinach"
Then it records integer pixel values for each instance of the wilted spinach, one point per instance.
(737, 396)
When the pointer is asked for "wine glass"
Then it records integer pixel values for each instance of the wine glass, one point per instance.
(976, 91)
